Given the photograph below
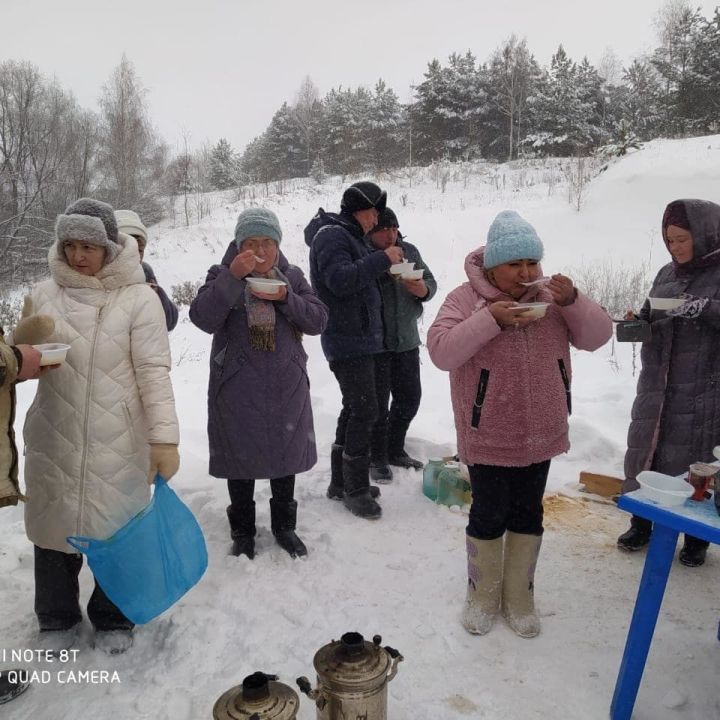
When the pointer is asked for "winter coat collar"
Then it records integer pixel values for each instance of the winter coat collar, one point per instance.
(124, 270)
(322, 219)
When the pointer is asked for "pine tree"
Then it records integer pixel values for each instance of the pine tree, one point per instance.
(562, 110)
(593, 130)
(699, 91)
(641, 101)
(223, 166)
(430, 123)
(283, 146)
(347, 118)
(386, 119)
(254, 162)
(448, 109)
(677, 25)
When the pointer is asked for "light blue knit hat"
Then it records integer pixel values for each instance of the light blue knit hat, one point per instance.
(511, 238)
(257, 222)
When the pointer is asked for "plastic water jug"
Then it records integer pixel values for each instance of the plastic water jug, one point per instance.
(430, 477)
(444, 483)
(453, 488)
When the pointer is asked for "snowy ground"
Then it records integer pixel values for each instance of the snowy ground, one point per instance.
(404, 576)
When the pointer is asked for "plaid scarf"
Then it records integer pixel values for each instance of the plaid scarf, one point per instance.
(261, 314)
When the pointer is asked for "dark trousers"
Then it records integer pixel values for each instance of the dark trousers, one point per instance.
(396, 374)
(507, 498)
(356, 377)
(242, 490)
(57, 595)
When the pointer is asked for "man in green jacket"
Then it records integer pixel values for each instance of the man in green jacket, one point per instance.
(398, 368)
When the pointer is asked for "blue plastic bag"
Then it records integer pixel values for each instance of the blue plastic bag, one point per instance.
(152, 560)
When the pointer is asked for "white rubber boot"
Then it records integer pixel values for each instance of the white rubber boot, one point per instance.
(518, 602)
(484, 588)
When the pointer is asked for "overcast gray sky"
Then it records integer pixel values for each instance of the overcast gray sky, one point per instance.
(220, 68)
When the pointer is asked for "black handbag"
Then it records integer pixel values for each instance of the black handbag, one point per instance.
(633, 331)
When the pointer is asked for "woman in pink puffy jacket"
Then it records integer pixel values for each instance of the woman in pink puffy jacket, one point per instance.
(510, 381)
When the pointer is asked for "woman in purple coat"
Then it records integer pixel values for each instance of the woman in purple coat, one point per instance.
(260, 422)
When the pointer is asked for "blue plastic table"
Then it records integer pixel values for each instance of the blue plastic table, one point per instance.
(696, 518)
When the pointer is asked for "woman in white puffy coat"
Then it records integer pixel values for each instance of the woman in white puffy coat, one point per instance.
(103, 424)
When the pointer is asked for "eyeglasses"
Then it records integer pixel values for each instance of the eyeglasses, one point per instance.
(256, 243)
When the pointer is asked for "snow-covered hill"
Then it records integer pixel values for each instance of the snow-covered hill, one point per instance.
(404, 576)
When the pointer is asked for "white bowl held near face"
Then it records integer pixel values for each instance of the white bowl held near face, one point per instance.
(664, 489)
(413, 275)
(532, 310)
(52, 353)
(269, 286)
(402, 268)
(657, 303)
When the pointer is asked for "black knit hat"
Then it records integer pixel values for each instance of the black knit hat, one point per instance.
(363, 195)
(386, 219)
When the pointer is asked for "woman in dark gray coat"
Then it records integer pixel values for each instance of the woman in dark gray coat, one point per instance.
(676, 414)
(260, 422)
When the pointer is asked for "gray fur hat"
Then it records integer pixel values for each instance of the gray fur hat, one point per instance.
(90, 221)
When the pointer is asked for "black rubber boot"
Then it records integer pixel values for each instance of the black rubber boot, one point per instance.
(637, 537)
(336, 490)
(380, 472)
(13, 683)
(242, 529)
(357, 498)
(283, 520)
(403, 460)
(693, 551)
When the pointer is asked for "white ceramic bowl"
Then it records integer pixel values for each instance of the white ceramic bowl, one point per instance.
(413, 275)
(657, 303)
(532, 310)
(269, 286)
(52, 353)
(665, 489)
(402, 268)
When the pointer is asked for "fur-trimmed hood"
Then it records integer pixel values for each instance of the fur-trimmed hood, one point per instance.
(124, 270)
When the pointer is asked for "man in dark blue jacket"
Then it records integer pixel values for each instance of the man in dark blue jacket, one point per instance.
(344, 272)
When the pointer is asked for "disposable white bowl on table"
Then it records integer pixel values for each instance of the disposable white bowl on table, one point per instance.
(657, 303)
(532, 310)
(402, 268)
(52, 353)
(665, 489)
(269, 286)
(413, 275)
